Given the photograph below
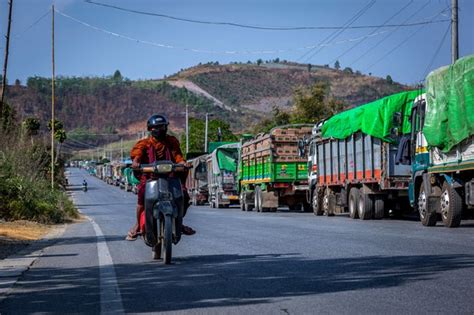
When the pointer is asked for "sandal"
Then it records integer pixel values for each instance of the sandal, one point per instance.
(186, 230)
(131, 236)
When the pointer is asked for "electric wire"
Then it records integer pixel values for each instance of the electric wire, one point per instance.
(375, 30)
(233, 52)
(336, 33)
(250, 26)
(404, 41)
(32, 25)
(436, 52)
(388, 35)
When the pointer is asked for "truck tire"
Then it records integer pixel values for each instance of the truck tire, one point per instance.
(242, 201)
(427, 217)
(451, 206)
(316, 203)
(258, 199)
(366, 206)
(379, 207)
(329, 204)
(353, 202)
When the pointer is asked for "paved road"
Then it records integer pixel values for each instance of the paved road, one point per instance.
(270, 263)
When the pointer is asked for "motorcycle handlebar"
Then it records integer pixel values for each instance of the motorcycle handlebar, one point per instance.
(154, 168)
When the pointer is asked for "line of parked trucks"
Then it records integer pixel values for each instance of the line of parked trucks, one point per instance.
(412, 150)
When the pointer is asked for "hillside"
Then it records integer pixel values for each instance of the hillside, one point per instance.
(240, 94)
(260, 87)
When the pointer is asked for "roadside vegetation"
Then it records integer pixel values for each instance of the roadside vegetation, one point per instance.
(311, 105)
(25, 185)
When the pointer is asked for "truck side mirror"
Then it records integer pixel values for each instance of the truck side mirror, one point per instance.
(301, 148)
(397, 119)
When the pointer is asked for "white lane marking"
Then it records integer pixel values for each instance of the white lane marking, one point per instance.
(110, 298)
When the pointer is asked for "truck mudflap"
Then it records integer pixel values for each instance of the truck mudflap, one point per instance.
(470, 193)
(269, 199)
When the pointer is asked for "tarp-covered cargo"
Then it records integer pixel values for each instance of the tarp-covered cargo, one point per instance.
(225, 158)
(374, 119)
(450, 104)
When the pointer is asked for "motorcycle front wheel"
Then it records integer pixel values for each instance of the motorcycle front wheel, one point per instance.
(157, 247)
(167, 238)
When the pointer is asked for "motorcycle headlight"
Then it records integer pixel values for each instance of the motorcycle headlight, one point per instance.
(164, 168)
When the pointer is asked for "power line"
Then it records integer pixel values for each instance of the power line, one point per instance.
(233, 52)
(33, 24)
(388, 35)
(437, 51)
(386, 21)
(268, 28)
(404, 41)
(336, 33)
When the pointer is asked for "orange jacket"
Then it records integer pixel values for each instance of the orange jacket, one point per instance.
(140, 149)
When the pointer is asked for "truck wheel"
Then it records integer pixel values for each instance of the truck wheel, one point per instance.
(427, 217)
(353, 202)
(258, 199)
(366, 206)
(316, 203)
(329, 204)
(379, 207)
(451, 206)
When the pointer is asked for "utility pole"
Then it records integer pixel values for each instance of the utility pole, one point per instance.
(187, 129)
(205, 133)
(7, 46)
(52, 100)
(121, 149)
(454, 31)
(205, 136)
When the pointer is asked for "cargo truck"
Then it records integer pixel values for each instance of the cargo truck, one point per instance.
(131, 181)
(352, 163)
(222, 175)
(442, 145)
(196, 182)
(271, 171)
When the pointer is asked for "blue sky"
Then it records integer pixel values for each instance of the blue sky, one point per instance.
(406, 53)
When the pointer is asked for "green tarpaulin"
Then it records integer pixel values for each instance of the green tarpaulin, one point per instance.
(449, 115)
(375, 118)
(227, 159)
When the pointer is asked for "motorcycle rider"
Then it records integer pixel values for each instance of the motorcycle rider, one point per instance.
(84, 185)
(157, 146)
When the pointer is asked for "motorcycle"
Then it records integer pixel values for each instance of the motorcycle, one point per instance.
(84, 186)
(164, 208)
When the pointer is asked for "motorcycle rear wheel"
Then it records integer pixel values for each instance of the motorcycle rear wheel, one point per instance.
(167, 238)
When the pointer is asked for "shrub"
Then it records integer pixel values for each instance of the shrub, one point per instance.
(25, 188)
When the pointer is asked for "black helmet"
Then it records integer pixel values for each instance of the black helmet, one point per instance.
(156, 121)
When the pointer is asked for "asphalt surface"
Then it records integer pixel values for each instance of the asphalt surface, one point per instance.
(246, 262)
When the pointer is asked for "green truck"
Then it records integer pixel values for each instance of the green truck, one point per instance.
(271, 171)
(442, 145)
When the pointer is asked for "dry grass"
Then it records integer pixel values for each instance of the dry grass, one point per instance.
(24, 230)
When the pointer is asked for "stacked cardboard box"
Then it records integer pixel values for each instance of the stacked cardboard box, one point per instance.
(281, 143)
